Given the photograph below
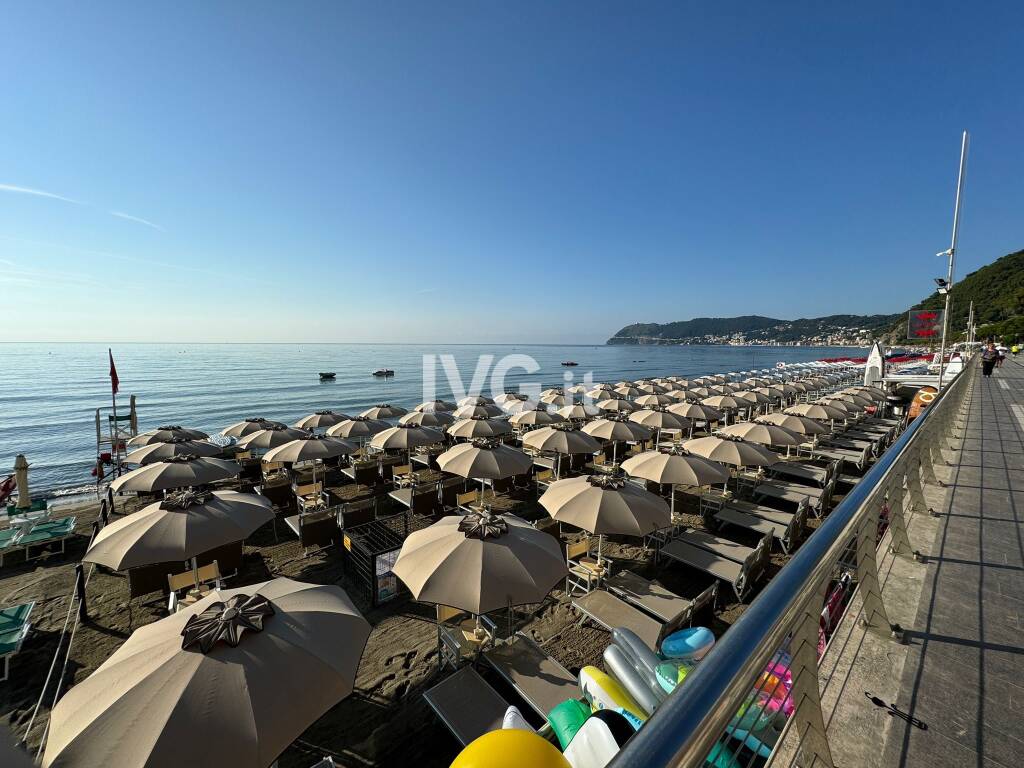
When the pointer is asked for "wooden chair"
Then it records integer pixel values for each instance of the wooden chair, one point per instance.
(585, 573)
(198, 584)
(466, 499)
(457, 641)
(402, 475)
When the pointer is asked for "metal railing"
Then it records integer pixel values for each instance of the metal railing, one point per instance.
(686, 728)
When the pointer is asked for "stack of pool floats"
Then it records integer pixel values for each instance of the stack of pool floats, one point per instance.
(615, 704)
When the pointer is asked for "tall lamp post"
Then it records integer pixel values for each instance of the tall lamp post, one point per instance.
(951, 253)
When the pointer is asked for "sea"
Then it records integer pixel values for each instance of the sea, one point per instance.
(49, 393)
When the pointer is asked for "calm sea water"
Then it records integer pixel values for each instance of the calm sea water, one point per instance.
(49, 392)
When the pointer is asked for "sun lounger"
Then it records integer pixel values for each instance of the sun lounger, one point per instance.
(785, 527)
(14, 627)
(727, 561)
(608, 611)
(316, 530)
(817, 498)
(539, 679)
(853, 458)
(653, 598)
(801, 471)
(39, 535)
(467, 705)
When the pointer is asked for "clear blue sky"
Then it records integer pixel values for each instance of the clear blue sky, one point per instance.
(485, 171)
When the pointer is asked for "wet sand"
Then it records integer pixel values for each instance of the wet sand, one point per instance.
(385, 721)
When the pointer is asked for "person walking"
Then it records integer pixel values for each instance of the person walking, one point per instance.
(988, 359)
(1015, 349)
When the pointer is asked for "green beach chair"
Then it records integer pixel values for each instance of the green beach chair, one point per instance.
(8, 540)
(47, 532)
(14, 626)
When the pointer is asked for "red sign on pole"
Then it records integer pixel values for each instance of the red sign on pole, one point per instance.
(925, 324)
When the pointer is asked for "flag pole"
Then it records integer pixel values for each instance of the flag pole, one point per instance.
(116, 436)
(952, 255)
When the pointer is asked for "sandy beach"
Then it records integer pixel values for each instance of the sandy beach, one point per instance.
(385, 721)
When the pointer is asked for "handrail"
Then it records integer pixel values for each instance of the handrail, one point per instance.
(686, 727)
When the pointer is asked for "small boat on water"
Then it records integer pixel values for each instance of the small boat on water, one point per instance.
(326, 375)
(383, 373)
(569, 363)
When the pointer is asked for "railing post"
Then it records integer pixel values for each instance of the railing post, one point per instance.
(899, 540)
(814, 751)
(875, 615)
(915, 491)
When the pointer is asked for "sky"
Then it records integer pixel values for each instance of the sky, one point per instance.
(492, 172)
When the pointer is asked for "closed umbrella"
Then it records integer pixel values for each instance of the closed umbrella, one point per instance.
(21, 481)
(232, 680)
(321, 420)
(358, 428)
(428, 419)
(478, 426)
(480, 563)
(271, 437)
(604, 504)
(179, 446)
(730, 450)
(384, 411)
(163, 434)
(176, 472)
(255, 424)
(179, 528)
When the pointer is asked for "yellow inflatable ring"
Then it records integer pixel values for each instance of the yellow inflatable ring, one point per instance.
(510, 748)
(926, 397)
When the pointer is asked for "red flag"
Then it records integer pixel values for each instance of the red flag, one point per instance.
(114, 381)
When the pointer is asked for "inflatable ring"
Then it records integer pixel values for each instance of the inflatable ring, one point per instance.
(927, 397)
(510, 749)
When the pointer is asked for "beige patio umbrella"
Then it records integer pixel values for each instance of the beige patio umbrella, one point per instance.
(358, 428)
(603, 504)
(648, 401)
(321, 420)
(848, 409)
(179, 446)
(179, 528)
(698, 393)
(731, 450)
(597, 395)
(616, 431)
(469, 411)
(576, 389)
(255, 424)
(428, 419)
(601, 385)
(433, 406)
(659, 419)
(232, 680)
(163, 434)
(556, 399)
(617, 405)
(725, 403)
(650, 388)
(384, 411)
(476, 400)
(509, 397)
(271, 437)
(627, 390)
(405, 437)
(536, 418)
(484, 460)
(675, 468)
(695, 411)
(765, 434)
(478, 426)
(578, 412)
(313, 448)
(522, 406)
(799, 424)
(480, 563)
(561, 439)
(816, 410)
(874, 393)
(176, 472)
(861, 401)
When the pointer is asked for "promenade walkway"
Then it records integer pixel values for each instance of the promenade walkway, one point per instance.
(963, 677)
